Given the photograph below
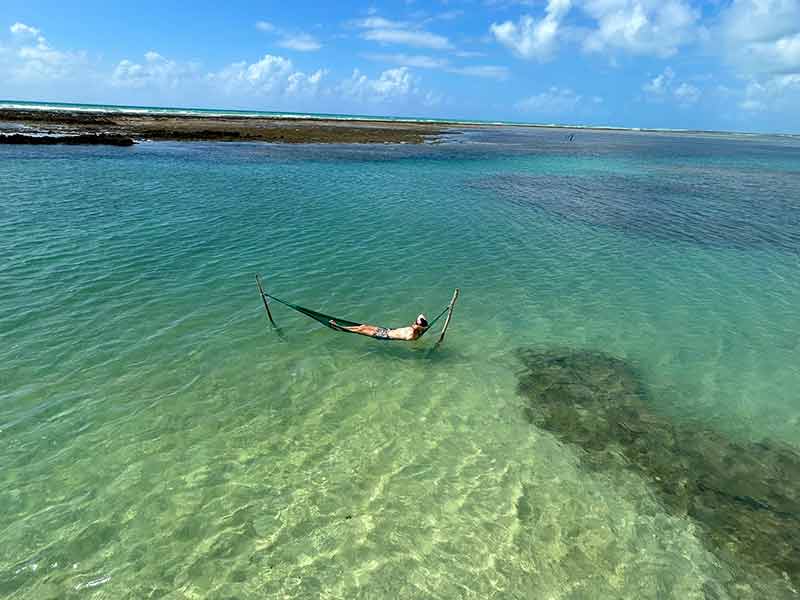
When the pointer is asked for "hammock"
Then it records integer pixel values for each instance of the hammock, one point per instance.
(326, 319)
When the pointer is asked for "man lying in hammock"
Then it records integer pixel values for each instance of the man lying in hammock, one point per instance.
(407, 334)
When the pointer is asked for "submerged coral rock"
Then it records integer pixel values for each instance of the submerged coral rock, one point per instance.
(704, 206)
(745, 495)
(99, 139)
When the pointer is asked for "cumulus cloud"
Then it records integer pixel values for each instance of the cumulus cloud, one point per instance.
(301, 84)
(269, 76)
(645, 27)
(553, 101)
(760, 40)
(22, 29)
(652, 27)
(761, 20)
(659, 85)
(665, 87)
(762, 36)
(28, 62)
(390, 84)
(686, 94)
(531, 38)
(155, 71)
(775, 94)
(31, 58)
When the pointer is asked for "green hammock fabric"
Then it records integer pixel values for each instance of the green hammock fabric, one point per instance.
(317, 316)
(326, 319)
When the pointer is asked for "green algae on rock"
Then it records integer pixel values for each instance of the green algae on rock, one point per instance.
(746, 496)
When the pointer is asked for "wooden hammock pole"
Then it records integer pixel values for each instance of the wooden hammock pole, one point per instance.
(449, 315)
(264, 298)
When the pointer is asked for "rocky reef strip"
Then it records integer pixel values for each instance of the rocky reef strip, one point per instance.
(141, 126)
(102, 139)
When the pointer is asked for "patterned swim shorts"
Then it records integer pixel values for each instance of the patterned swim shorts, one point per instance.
(381, 333)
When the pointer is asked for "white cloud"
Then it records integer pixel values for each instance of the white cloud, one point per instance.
(448, 15)
(302, 42)
(761, 20)
(485, 71)
(429, 62)
(156, 71)
(300, 84)
(651, 27)
(425, 18)
(762, 36)
(531, 38)
(266, 75)
(22, 29)
(31, 59)
(408, 37)
(659, 85)
(554, 101)
(776, 94)
(291, 40)
(418, 61)
(645, 27)
(664, 87)
(760, 39)
(431, 98)
(686, 94)
(390, 84)
(469, 54)
(387, 31)
(375, 22)
(269, 76)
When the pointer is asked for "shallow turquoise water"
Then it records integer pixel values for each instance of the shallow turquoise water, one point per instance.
(159, 440)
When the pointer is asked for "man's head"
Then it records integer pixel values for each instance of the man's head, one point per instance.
(422, 321)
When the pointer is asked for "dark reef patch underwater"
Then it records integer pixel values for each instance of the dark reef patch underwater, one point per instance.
(707, 207)
(745, 496)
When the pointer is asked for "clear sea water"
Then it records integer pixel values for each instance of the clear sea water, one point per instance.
(158, 439)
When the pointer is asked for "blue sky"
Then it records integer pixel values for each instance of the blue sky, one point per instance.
(726, 64)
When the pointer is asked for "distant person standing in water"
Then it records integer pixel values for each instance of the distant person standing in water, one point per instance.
(406, 334)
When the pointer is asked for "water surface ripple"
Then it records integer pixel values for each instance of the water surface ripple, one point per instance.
(159, 440)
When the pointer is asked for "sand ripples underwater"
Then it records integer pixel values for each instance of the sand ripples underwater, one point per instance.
(613, 415)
